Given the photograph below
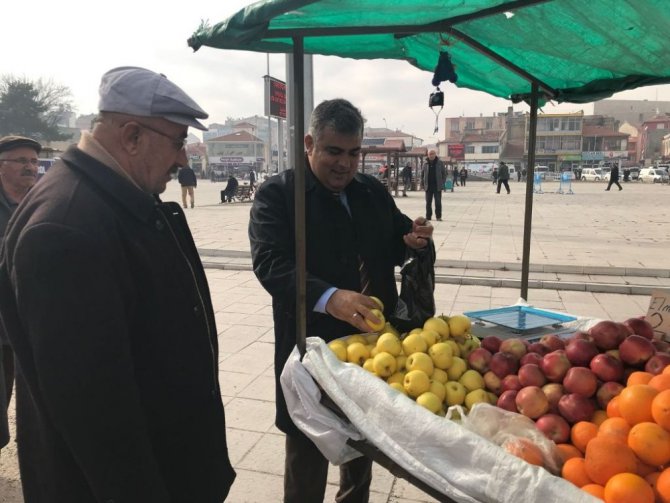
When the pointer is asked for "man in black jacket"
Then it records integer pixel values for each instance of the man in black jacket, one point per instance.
(188, 181)
(352, 224)
(614, 178)
(228, 193)
(107, 308)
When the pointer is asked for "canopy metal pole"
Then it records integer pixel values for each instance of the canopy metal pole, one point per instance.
(528, 218)
(298, 106)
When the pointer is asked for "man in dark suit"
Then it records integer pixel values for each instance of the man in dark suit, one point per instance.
(614, 178)
(352, 225)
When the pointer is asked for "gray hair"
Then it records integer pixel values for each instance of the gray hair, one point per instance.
(339, 115)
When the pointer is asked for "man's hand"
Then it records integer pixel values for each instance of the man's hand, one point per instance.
(421, 233)
(352, 307)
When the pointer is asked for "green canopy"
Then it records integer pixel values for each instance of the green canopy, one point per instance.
(574, 50)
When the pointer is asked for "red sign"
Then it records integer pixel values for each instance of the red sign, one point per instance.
(456, 151)
(275, 97)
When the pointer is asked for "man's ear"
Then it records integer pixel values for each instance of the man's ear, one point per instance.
(130, 136)
(309, 143)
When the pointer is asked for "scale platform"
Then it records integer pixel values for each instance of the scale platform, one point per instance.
(515, 321)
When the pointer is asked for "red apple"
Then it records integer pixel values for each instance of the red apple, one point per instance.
(580, 352)
(531, 375)
(580, 380)
(661, 346)
(574, 408)
(503, 364)
(539, 348)
(479, 360)
(552, 341)
(531, 358)
(657, 363)
(581, 335)
(511, 382)
(507, 400)
(493, 382)
(640, 327)
(555, 365)
(532, 402)
(492, 343)
(514, 346)
(554, 391)
(554, 428)
(606, 367)
(636, 350)
(606, 392)
(614, 353)
(607, 334)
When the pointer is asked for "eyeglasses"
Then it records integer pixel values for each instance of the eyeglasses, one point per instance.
(23, 161)
(177, 143)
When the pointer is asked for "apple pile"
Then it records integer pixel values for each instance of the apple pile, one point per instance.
(558, 382)
(428, 364)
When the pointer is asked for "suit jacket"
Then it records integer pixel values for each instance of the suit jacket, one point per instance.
(108, 310)
(334, 242)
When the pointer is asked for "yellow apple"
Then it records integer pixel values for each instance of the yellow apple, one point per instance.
(416, 331)
(472, 380)
(378, 302)
(455, 349)
(439, 375)
(430, 336)
(401, 360)
(470, 344)
(455, 393)
(429, 401)
(459, 325)
(398, 377)
(416, 382)
(442, 355)
(339, 348)
(356, 338)
(369, 366)
(380, 316)
(384, 364)
(438, 388)
(373, 350)
(398, 387)
(438, 325)
(389, 343)
(476, 396)
(372, 337)
(414, 343)
(390, 328)
(493, 398)
(357, 353)
(420, 361)
(457, 368)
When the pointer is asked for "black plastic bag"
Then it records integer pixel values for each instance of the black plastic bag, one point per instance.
(416, 302)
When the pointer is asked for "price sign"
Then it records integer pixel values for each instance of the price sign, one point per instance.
(658, 313)
(275, 97)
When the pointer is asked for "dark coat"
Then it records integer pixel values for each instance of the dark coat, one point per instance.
(108, 310)
(186, 177)
(334, 242)
(614, 174)
(440, 174)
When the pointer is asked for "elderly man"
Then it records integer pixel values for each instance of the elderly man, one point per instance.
(355, 237)
(118, 397)
(434, 176)
(18, 173)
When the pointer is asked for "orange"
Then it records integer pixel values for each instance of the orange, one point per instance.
(643, 469)
(605, 458)
(666, 370)
(613, 407)
(594, 490)
(581, 433)
(661, 382)
(573, 471)
(568, 451)
(635, 403)
(598, 417)
(615, 428)
(662, 487)
(525, 449)
(650, 442)
(660, 409)
(652, 479)
(628, 488)
(639, 377)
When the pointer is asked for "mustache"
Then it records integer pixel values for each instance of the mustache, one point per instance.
(28, 172)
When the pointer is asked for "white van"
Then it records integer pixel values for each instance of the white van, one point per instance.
(592, 175)
(654, 175)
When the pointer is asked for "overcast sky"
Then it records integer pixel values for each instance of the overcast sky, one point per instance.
(74, 44)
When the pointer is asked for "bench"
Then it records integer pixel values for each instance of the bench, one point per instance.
(243, 193)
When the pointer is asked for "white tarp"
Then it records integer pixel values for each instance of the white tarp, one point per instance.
(458, 463)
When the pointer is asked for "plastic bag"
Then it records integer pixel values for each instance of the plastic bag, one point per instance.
(416, 302)
(511, 431)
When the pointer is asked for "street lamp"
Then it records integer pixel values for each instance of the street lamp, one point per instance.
(385, 124)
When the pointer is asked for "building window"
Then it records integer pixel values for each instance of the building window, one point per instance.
(490, 149)
(469, 124)
(488, 124)
(455, 125)
(469, 149)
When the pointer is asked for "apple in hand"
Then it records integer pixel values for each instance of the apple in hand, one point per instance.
(554, 427)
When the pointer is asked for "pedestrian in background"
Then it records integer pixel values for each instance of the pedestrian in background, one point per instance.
(252, 180)
(518, 175)
(18, 173)
(463, 175)
(494, 176)
(355, 236)
(228, 193)
(614, 178)
(188, 182)
(434, 175)
(406, 179)
(503, 177)
(454, 175)
(106, 305)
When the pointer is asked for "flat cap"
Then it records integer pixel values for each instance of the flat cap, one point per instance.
(12, 142)
(137, 91)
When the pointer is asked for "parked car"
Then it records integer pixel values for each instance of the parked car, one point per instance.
(654, 175)
(542, 171)
(634, 173)
(592, 174)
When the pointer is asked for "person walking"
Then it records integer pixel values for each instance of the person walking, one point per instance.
(106, 305)
(434, 175)
(518, 175)
(494, 176)
(18, 173)
(503, 177)
(188, 182)
(463, 174)
(252, 181)
(355, 236)
(614, 178)
(454, 176)
(406, 179)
